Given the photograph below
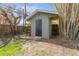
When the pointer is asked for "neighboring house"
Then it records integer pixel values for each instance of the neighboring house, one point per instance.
(44, 24)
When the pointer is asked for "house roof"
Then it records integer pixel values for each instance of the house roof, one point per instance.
(41, 11)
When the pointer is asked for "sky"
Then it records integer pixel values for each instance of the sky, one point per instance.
(41, 6)
(30, 7)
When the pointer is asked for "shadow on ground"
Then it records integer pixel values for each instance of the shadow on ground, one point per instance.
(73, 44)
(4, 40)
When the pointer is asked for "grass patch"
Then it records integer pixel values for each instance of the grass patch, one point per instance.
(13, 48)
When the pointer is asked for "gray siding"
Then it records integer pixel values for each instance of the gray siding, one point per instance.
(45, 24)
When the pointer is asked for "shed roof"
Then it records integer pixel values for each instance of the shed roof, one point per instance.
(40, 11)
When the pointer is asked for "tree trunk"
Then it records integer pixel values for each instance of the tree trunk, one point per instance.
(69, 20)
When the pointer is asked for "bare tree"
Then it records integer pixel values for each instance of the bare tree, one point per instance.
(13, 17)
(69, 20)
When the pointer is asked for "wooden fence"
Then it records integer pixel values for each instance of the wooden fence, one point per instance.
(6, 29)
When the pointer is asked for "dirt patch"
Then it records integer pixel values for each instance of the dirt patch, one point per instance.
(51, 47)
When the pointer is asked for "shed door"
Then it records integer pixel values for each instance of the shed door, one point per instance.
(39, 27)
